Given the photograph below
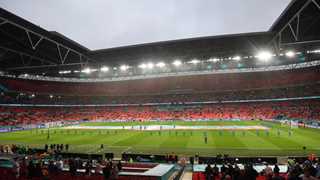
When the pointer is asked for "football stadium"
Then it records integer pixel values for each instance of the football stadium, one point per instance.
(235, 106)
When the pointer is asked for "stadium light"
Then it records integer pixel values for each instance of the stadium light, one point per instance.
(313, 51)
(150, 65)
(104, 69)
(264, 56)
(236, 58)
(213, 60)
(51, 96)
(194, 61)
(160, 64)
(86, 70)
(290, 54)
(124, 67)
(142, 66)
(177, 63)
(64, 72)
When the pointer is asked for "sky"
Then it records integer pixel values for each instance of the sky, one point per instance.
(100, 24)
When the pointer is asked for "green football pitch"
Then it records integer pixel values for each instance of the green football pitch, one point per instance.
(279, 140)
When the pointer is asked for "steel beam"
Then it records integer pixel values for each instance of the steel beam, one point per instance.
(34, 46)
(25, 54)
(298, 27)
(301, 42)
(315, 3)
(292, 18)
(292, 32)
(44, 37)
(62, 57)
(43, 66)
(3, 22)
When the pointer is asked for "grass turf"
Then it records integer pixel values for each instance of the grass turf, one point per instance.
(277, 142)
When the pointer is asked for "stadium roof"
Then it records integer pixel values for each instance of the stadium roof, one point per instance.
(14, 19)
(185, 49)
(298, 26)
(25, 47)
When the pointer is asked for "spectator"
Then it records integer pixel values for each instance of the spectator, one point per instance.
(251, 173)
(107, 171)
(208, 172)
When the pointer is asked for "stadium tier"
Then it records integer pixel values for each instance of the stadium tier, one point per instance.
(297, 83)
(286, 110)
(301, 91)
(171, 85)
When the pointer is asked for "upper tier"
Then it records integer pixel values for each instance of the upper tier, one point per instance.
(171, 85)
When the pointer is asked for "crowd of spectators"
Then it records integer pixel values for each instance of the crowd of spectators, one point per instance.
(21, 162)
(45, 166)
(51, 165)
(180, 98)
(169, 85)
(178, 89)
(229, 172)
(39, 164)
(294, 110)
(307, 170)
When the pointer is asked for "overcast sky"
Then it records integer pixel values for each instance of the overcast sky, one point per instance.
(99, 24)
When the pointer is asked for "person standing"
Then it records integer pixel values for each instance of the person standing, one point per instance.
(209, 173)
(107, 171)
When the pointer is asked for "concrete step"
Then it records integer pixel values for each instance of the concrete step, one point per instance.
(187, 176)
